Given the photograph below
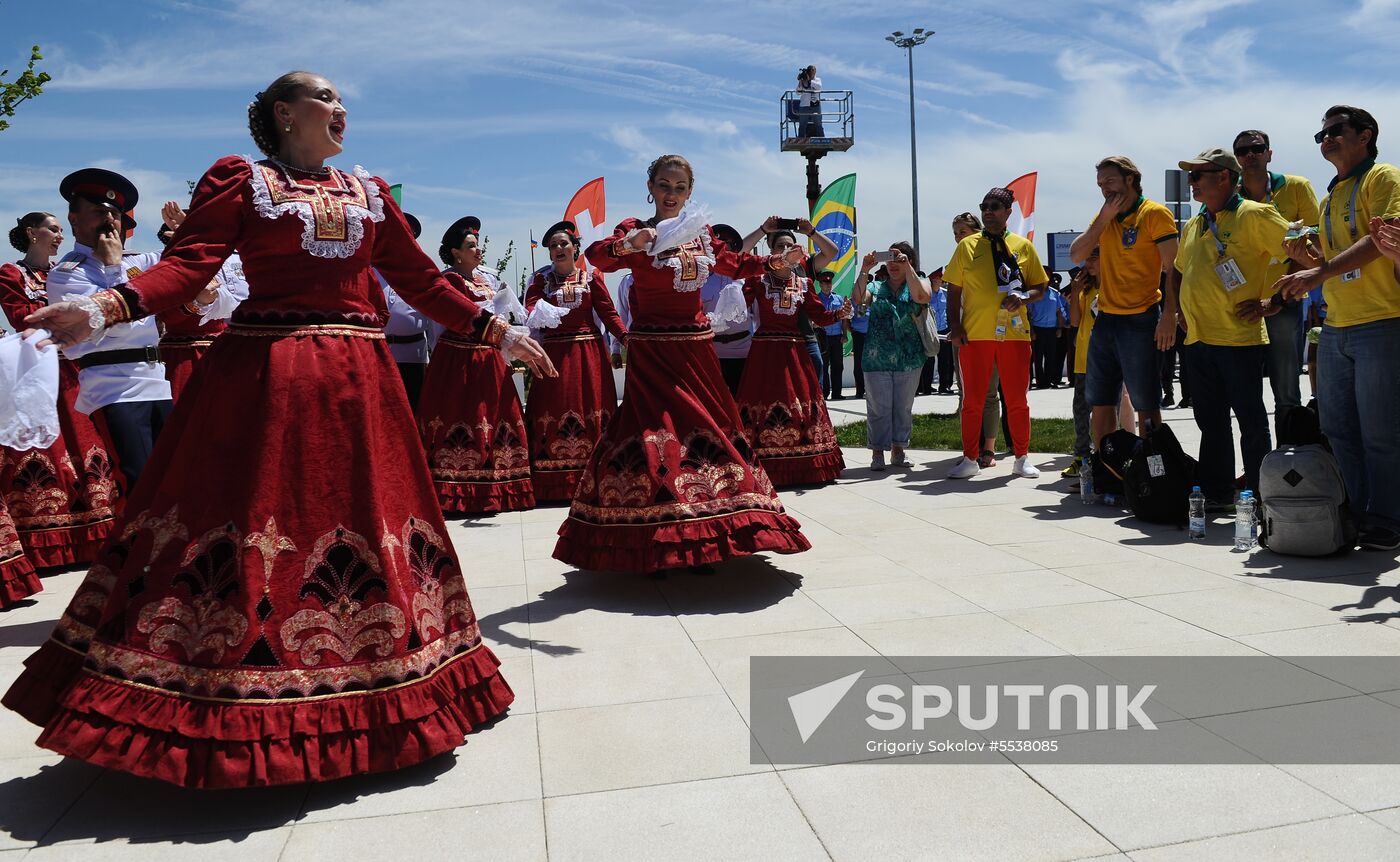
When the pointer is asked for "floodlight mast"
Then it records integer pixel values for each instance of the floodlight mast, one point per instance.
(909, 43)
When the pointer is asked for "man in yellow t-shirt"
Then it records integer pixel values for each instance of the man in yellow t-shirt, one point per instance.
(1136, 239)
(1221, 282)
(1295, 200)
(991, 278)
(1083, 308)
(1359, 352)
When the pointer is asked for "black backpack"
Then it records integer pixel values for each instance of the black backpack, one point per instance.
(1157, 479)
(1115, 450)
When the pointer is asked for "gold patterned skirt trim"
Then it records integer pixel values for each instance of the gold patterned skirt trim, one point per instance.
(672, 513)
(459, 341)
(362, 674)
(346, 329)
(643, 335)
(176, 341)
(777, 337)
(573, 336)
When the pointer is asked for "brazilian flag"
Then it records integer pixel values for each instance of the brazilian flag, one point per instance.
(835, 217)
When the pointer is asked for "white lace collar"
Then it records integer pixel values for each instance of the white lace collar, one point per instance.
(333, 226)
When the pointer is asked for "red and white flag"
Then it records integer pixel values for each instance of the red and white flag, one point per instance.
(588, 210)
(1022, 221)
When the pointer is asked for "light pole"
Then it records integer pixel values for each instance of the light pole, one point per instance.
(908, 43)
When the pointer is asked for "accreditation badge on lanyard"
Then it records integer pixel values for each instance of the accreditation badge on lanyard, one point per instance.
(1225, 268)
(1354, 274)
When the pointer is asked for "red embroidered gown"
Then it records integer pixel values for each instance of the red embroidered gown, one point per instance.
(780, 398)
(673, 481)
(63, 499)
(470, 420)
(567, 414)
(282, 604)
(18, 580)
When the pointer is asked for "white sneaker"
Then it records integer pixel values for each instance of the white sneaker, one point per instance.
(1023, 467)
(965, 469)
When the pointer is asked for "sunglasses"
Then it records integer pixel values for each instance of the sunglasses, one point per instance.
(1195, 176)
(1336, 130)
(1256, 149)
(990, 207)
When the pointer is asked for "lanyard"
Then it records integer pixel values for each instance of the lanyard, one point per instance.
(1351, 213)
(1215, 232)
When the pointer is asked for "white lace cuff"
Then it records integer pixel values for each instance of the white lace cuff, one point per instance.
(512, 337)
(97, 318)
(545, 315)
(220, 309)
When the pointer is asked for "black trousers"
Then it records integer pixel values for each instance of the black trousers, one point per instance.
(1043, 357)
(412, 375)
(733, 371)
(926, 373)
(947, 365)
(134, 426)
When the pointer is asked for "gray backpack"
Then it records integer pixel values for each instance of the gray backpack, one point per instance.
(1305, 510)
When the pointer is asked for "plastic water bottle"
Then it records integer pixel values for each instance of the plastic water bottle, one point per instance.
(1086, 480)
(1245, 528)
(1003, 323)
(1196, 520)
(1112, 500)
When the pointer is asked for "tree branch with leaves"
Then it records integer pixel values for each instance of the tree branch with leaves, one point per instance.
(22, 89)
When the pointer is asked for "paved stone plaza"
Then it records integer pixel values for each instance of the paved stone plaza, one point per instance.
(629, 739)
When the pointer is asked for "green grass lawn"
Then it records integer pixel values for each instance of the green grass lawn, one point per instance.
(942, 431)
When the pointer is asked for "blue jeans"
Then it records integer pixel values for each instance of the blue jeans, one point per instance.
(889, 407)
(814, 350)
(1358, 382)
(1123, 351)
(1225, 379)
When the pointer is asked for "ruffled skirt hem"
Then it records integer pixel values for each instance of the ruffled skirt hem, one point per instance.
(205, 744)
(676, 544)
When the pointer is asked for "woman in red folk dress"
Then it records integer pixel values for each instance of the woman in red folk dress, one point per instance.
(469, 413)
(567, 415)
(780, 398)
(673, 482)
(280, 603)
(63, 498)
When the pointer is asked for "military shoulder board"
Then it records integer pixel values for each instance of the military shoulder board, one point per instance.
(132, 272)
(72, 261)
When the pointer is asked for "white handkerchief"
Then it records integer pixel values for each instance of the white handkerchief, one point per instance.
(506, 305)
(676, 232)
(28, 392)
(730, 307)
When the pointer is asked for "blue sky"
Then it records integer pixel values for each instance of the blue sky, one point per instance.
(503, 109)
